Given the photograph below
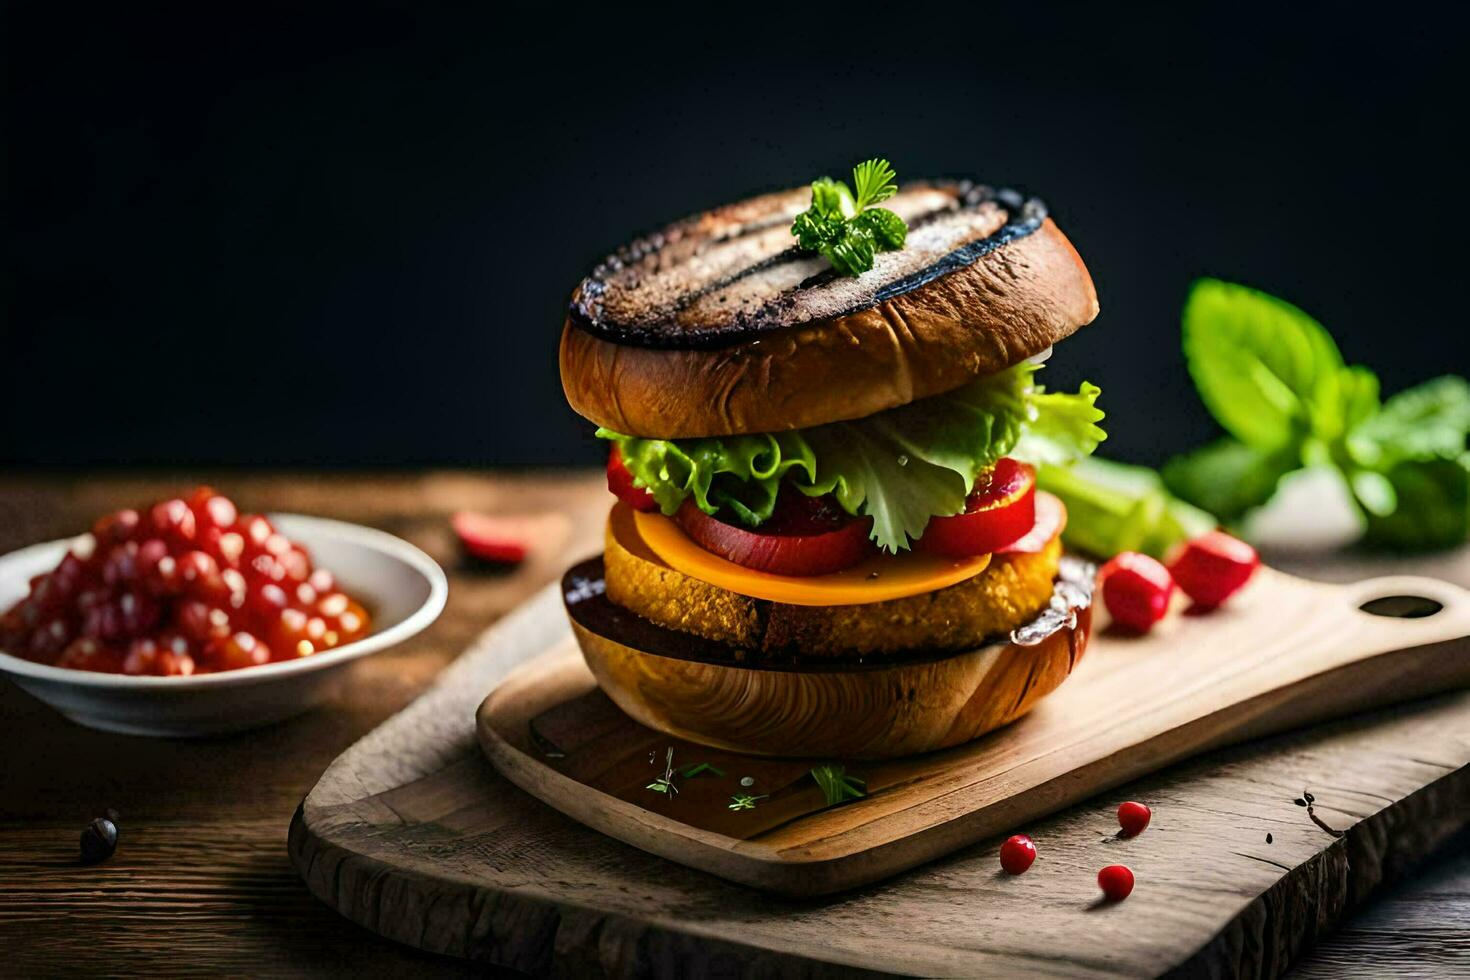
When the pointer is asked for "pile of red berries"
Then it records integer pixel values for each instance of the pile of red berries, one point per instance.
(188, 586)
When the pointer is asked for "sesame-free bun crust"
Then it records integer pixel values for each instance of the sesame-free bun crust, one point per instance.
(717, 326)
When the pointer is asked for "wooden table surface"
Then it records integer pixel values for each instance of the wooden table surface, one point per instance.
(201, 881)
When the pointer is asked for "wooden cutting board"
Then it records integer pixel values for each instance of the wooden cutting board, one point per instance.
(1283, 653)
(413, 834)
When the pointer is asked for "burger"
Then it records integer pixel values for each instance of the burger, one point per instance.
(823, 409)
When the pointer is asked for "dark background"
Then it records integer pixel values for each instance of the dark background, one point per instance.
(345, 235)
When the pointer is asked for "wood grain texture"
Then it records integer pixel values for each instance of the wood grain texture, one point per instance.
(1416, 929)
(448, 855)
(1284, 652)
(877, 713)
(202, 883)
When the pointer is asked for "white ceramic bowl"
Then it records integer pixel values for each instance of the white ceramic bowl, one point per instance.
(401, 586)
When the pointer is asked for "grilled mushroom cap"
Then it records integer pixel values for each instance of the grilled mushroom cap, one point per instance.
(718, 325)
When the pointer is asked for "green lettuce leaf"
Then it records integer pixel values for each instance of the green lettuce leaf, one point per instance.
(900, 467)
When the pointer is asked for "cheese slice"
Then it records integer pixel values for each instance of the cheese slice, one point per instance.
(875, 579)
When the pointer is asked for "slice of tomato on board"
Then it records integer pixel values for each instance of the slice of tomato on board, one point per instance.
(506, 539)
(803, 536)
(999, 511)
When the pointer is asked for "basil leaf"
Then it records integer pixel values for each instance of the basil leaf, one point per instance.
(1433, 509)
(1268, 372)
(1228, 477)
(1425, 422)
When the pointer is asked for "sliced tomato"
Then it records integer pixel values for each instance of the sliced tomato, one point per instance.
(1051, 520)
(999, 511)
(506, 539)
(620, 482)
(804, 536)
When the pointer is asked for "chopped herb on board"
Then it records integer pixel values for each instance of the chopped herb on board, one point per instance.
(837, 786)
(665, 784)
(744, 801)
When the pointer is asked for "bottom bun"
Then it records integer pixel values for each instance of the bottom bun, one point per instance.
(702, 691)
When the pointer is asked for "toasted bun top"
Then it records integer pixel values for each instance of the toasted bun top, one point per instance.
(718, 325)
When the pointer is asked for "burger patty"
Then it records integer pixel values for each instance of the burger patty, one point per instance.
(1010, 592)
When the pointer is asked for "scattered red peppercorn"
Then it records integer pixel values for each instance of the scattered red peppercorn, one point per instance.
(1116, 882)
(1133, 817)
(1017, 853)
(1137, 590)
(1213, 567)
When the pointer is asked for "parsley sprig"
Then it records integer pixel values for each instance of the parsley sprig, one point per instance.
(842, 223)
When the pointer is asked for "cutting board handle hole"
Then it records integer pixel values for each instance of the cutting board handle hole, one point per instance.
(1402, 606)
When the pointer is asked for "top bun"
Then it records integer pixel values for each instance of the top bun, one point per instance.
(718, 325)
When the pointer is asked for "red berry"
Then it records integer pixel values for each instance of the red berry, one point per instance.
(266, 601)
(88, 653)
(141, 656)
(239, 651)
(1017, 853)
(116, 528)
(175, 522)
(50, 639)
(104, 622)
(225, 547)
(1133, 817)
(254, 529)
(265, 568)
(121, 567)
(289, 636)
(163, 659)
(47, 594)
(1116, 882)
(352, 623)
(211, 510)
(71, 575)
(296, 565)
(138, 613)
(201, 576)
(1213, 567)
(236, 583)
(332, 606)
(164, 580)
(90, 599)
(322, 581)
(1137, 590)
(201, 622)
(304, 596)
